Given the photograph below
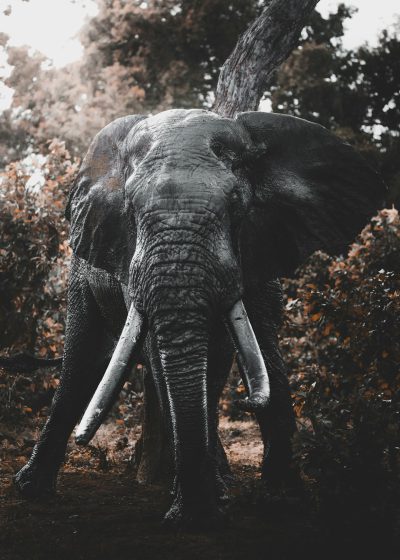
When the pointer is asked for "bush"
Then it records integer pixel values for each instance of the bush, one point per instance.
(342, 341)
(34, 251)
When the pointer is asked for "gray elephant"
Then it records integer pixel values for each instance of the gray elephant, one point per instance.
(181, 225)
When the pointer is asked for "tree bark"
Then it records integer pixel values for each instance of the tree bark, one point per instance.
(152, 457)
(258, 53)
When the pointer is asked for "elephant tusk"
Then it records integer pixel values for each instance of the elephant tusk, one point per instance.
(250, 360)
(110, 384)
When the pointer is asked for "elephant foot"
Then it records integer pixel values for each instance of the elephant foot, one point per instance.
(288, 483)
(33, 484)
(278, 471)
(221, 489)
(194, 518)
(195, 515)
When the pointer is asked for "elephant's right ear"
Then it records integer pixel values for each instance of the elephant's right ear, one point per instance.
(311, 190)
(96, 208)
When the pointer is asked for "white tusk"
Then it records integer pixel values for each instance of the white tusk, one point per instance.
(110, 384)
(250, 360)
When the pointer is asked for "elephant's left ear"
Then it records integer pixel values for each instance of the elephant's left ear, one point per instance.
(311, 190)
(96, 206)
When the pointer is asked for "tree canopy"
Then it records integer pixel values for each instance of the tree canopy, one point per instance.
(135, 60)
(355, 93)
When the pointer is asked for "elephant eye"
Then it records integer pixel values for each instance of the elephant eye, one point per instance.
(217, 149)
(224, 154)
(237, 163)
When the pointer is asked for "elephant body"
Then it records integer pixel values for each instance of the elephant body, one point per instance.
(181, 225)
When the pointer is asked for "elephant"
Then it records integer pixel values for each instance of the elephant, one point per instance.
(181, 225)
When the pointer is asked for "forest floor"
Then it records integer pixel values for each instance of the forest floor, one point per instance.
(100, 512)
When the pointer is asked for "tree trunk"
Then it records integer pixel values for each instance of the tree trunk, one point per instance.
(258, 53)
(152, 457)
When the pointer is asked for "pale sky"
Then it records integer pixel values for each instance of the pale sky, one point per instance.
(51, 26)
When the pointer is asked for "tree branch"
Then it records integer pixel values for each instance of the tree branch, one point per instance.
(258, 53)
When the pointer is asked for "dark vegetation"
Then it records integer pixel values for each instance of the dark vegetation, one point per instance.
(341, 337)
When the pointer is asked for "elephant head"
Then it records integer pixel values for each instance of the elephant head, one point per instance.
(182, 208)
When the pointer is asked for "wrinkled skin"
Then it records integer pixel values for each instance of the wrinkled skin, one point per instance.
(184, 214)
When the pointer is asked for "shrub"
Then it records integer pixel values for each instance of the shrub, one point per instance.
(34, 251)
(342, 341)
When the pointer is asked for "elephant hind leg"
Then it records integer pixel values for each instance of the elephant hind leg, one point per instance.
(86, 353)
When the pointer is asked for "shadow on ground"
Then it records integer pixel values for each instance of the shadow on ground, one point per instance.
(104, 514)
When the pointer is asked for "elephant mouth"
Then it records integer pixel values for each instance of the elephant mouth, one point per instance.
(250, 361)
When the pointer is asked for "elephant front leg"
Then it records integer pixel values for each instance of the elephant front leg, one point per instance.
(84, 363)
(277, 422)
(277, 426)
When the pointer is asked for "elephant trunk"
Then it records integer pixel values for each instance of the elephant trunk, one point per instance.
(112, 380)
(183, 349)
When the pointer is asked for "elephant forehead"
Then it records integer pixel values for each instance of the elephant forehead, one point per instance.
(180, 179)
(170, 131)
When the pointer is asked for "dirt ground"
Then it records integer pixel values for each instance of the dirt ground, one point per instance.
(100, 512)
